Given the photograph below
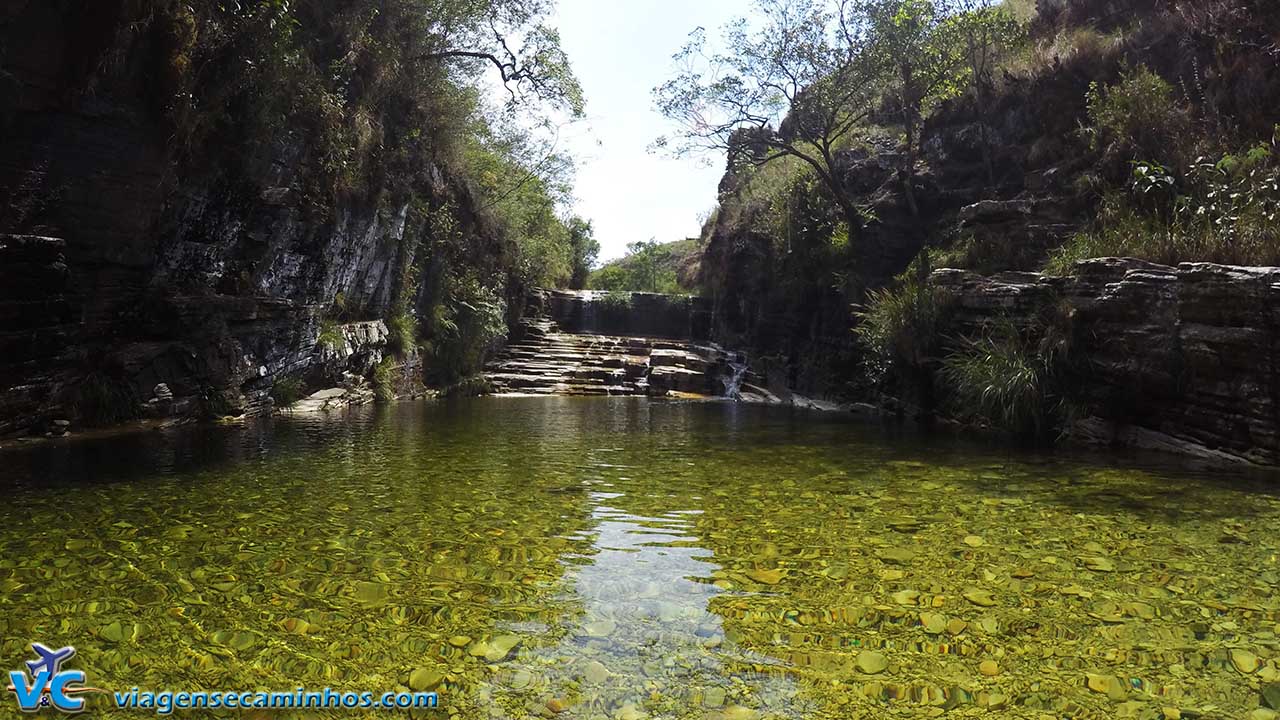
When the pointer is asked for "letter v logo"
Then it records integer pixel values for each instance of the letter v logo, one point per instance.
(28, 693)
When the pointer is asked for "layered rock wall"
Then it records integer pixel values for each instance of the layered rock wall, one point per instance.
(1183, 359)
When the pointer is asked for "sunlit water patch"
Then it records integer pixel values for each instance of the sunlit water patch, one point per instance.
(624, 559)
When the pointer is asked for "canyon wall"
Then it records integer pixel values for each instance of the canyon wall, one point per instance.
(130, 261)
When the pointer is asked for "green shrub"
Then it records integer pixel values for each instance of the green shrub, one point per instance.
(463, 330)
(286, 392)
(384, 379)
(1224, 211)
(1002, 379)
(403, 327)
(1138, 116)
(611, 277)
(648, 267)
(615, 301)
(330, 335)
(104, 399)
(900, 326)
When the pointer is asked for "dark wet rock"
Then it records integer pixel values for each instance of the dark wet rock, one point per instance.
(132, 260)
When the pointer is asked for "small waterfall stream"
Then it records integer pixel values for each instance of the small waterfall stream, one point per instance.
(732, 381)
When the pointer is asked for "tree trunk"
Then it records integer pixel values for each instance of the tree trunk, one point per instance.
(910, 112)
(909, 170)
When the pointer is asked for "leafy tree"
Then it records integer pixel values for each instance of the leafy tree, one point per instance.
(611, 277)
(796, 86)
(583, 251)
(649, 266)
(645, 254)
(913, 40)
(984, 29)
(481, 30)
(521, 185)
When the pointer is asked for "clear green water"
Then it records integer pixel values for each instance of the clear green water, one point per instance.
(628, 559)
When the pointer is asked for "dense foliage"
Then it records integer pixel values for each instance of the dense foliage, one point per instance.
(650, 266)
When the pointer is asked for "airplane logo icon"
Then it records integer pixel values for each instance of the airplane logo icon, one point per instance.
(50, 660)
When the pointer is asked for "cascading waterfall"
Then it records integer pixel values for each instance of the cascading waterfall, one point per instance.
(732, 381)
(588, 318)
(597, 350)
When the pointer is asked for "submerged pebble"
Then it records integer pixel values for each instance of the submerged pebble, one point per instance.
(871, 662)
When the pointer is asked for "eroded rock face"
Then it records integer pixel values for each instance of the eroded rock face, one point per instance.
(1183, 359)
(37, 314)
(131, 265)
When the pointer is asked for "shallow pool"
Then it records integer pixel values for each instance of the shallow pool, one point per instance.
(621, 558)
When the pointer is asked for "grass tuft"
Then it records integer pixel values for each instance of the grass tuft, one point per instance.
(330, 335)
(900, 326)
(287, 392)
(1001, 378)
(384, 379)
(102, 399)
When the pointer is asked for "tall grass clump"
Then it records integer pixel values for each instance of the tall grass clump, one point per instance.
(1016, 379)
(330, 335)
(901, 326)
(403, 327)
(286, 392)
(1001, 378)
(1139, 115)
(384, 380)
(104, 399)
(993, 252)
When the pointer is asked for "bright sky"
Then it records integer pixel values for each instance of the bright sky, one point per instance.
(621, 50)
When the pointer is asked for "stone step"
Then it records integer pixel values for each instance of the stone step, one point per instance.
(545, 361)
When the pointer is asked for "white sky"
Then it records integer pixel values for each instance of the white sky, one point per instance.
(621, 50)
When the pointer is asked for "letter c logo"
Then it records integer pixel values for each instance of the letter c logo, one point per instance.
(58, 694)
